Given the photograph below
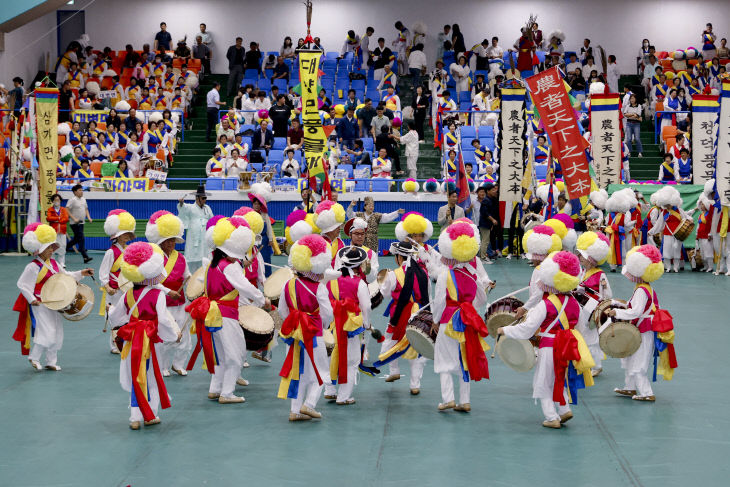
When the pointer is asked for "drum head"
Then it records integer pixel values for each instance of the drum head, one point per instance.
(498, 320)
(195, 286)
(58, 291)
(276, 282)
(374, 288)
(329, 339)
(518, 355)
(124, 284)
(421, 342)
(381, 275)
(620, 339)
(88, 296)
(255, 319)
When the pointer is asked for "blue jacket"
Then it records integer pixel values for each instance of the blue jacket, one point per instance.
(348, 129)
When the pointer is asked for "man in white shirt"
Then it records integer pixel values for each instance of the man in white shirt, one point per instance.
(495, 51)
(205, 35)
(613, 74)
(443, 37)
(213, 104)
(573, 64)
(417, 64)
(410, 140)
(351, 44)
(78, 213)
(649, 71)
(590, 66)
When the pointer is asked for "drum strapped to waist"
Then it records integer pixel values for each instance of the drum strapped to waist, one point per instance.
(275, 283)
(517, 354)
(530, 221)
(421, 333)
(684, 230)
(501, 313)
(600, 314)
(619, 339)
(258, 327)
(62, 293)
(195, 286)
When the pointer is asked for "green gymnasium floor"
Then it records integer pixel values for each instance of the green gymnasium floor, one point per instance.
(70, 428)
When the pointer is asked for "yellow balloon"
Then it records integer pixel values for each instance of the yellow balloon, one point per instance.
(670, 74)
(339, 110)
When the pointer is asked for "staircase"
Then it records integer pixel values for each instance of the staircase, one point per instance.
(647, 167)
(429, 158)
(194, 152)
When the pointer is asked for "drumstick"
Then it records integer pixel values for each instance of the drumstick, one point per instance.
(275, 266)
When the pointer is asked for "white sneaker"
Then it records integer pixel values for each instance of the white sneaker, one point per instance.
(509, 256)
(165, 373)
(35, 364)
(640, 155)
(488, 261)
(245, 364)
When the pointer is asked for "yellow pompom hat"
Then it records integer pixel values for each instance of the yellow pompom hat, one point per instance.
(163, 225)
(412, 224)
(560, 272)
(459, 242)
(594, 247)
(37, 237)
(233, 237)
(311, 254)
(643, 264)
(254, 219)
(118, 222)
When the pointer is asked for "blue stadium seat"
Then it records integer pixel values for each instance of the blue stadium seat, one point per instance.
(251, 74)
(268, 72)
(540, 56)
(281, 83)
(464, 96)
(256, 166)
(381, 185)
(540, 171)
(358, 84)
(265, 85)
(279, 143)
(249, 81)
(505, 58)
(347, 167)
(488, 143)
(360, 95)
(247, 140)
(468, 132)
(248, 127)
(368, 144)
(486, 131)
(294, 75)
(230, 184)
(362, 185)
(214, 184)
(276, 156)
(331, 55)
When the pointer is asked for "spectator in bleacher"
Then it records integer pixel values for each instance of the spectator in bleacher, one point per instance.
(204, 35)
(679, 144)
(281, 70)
(131, 119)
(709, 50)
(351, 44)
(132, 91)
(684, 167)
(263, 138)
(279, 115)
(381, 57)
(348, 129)
(495, 51)
(589, 67)
(358, 154)
(235, 164)
(202, 52)
(644, 52)
(365, 115)
(308, 204)
(417, 64)
(389, 78)
(290, 166)
(236, 56)
(586, 50)
(410, 140)
(576, 81)
(147, 54)
(451, 164)
(253, 57)
(163, 39)
(224, 145)
(388, 141)
(242, 94)
(123, 171)
(382, 165)
(668, 169)
(131, 57)
(262, 102)
(287, 49)
(401, 44)
(84, 174)
(326, 102)
(480, 51)
(213, 104)
(633, 115)
(216, 165)
(442, 37)
(113, 119)
(391, 100)
(225, 129)
(75, 76)
(573, 64)
(525, 50)
(65, 102)
(649, 72)
(723, 52)
(85, 102)
(478, 86)
(460, 72)
(419, 103)
(182, 51)
(351, 100)
(457, 39)
(295, 136)
(318, 44)
(379, 121)
(365, 48)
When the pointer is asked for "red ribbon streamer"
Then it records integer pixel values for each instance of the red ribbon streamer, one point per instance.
(135, 331)
(565, 349)
(341, 308)
(21, 306)
(475, 327)
(198, 310)
(309, 329)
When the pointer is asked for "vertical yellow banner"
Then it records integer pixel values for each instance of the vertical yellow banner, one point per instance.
(46, 112)
(315, 141)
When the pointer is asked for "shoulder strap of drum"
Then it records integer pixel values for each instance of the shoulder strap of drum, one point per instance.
(132, 303)
(650, 296)
(553, 298)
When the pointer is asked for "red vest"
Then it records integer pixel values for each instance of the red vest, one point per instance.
(113, 283)
(645, 324)
(174, 280)
(306, 300)
(671, 224)
(703, 228)
(572, 312)
(466, 290)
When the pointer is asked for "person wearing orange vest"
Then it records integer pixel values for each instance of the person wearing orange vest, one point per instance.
(57, 217)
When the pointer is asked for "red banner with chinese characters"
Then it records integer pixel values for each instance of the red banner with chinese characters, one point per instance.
(558, 117)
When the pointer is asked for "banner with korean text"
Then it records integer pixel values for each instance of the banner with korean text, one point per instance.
(705, 109)
(557, 115)
(126, 185)
(46, 113)
(722, 174)
(512, 128)
(315, 140)
(606, 139)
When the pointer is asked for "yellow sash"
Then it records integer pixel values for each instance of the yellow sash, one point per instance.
(115, 267)
(586, 362)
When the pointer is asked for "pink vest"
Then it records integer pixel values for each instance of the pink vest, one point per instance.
(147, 308)
(396, 293)
(217, 286)
(572, 311)
(645, 324)
(593, 284)
(348, 288)
(306, 300)
(252, 271)
(466, 291)
(39, 286)
(175, 280)
(113, 283)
